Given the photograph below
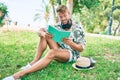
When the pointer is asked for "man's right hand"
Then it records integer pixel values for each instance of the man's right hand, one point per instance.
(44, 34)
(47, 35)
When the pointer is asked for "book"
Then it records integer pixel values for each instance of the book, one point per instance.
(58, 35)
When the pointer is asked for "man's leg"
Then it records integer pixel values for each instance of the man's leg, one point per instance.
(52, 44)
(40, 49)
(61, 55)
(54, 54)
(42, 46)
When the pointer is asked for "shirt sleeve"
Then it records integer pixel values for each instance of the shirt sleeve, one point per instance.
(79, 35)
(83, 38)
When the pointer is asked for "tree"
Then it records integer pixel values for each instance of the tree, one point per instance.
(70, 5)
(116, 29)
(111, 19)
(3, 12)
(86, 11)
(43, 12)
(79, 4)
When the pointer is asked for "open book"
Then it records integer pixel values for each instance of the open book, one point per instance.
(57, 34)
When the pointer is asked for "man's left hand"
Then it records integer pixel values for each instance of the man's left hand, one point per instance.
(67, 41)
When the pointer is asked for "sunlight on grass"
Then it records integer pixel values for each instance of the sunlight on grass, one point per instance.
(19, 48)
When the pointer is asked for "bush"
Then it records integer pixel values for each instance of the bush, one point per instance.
(3, 12)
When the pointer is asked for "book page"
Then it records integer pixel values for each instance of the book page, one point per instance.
(57, 34)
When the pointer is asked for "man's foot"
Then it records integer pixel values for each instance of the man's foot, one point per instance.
(10, 78)
(25, 67)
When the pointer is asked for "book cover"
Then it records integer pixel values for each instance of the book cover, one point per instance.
(57, 34)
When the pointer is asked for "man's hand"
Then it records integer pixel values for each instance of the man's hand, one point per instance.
(73, 45)
(47, 35)
(67, 41)
(44, 34)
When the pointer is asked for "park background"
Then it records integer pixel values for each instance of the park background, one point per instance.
(19, 21)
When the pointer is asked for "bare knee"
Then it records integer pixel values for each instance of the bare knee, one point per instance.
(51, 54)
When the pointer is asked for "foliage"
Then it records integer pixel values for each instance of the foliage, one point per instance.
(116, 15)
(19, 48)
(95, 19)
(43, 12)
(56, 2)
(79, 4)
(3, 10)
(93, 14)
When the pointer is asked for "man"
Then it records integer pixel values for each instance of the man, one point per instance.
(65, 51)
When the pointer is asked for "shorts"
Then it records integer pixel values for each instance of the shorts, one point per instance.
(73, 57)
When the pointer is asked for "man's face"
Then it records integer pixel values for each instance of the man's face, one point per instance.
(64, 17)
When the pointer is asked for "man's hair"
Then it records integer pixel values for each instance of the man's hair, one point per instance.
(62, 9)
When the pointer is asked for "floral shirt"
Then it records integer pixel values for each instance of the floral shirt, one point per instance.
(77, 35)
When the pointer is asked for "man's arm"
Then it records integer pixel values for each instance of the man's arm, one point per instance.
(77, 47)
(44, 33)
(80, 40)
(73, 45)
(41, 32)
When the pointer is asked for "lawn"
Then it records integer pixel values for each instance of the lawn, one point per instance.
(19, 48)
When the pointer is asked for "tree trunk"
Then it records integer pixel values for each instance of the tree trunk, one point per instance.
(54, 12)
(110, 21)
(70, 5)
(1, 17)
(116, 29)
(1, 13)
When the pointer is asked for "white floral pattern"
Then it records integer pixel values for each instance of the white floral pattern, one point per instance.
(77, 35)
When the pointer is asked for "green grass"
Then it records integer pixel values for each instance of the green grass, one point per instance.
(19, 48)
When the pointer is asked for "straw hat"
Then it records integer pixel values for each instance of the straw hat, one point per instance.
(84, 63)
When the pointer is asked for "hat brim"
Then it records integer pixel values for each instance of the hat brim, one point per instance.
(73, 65)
